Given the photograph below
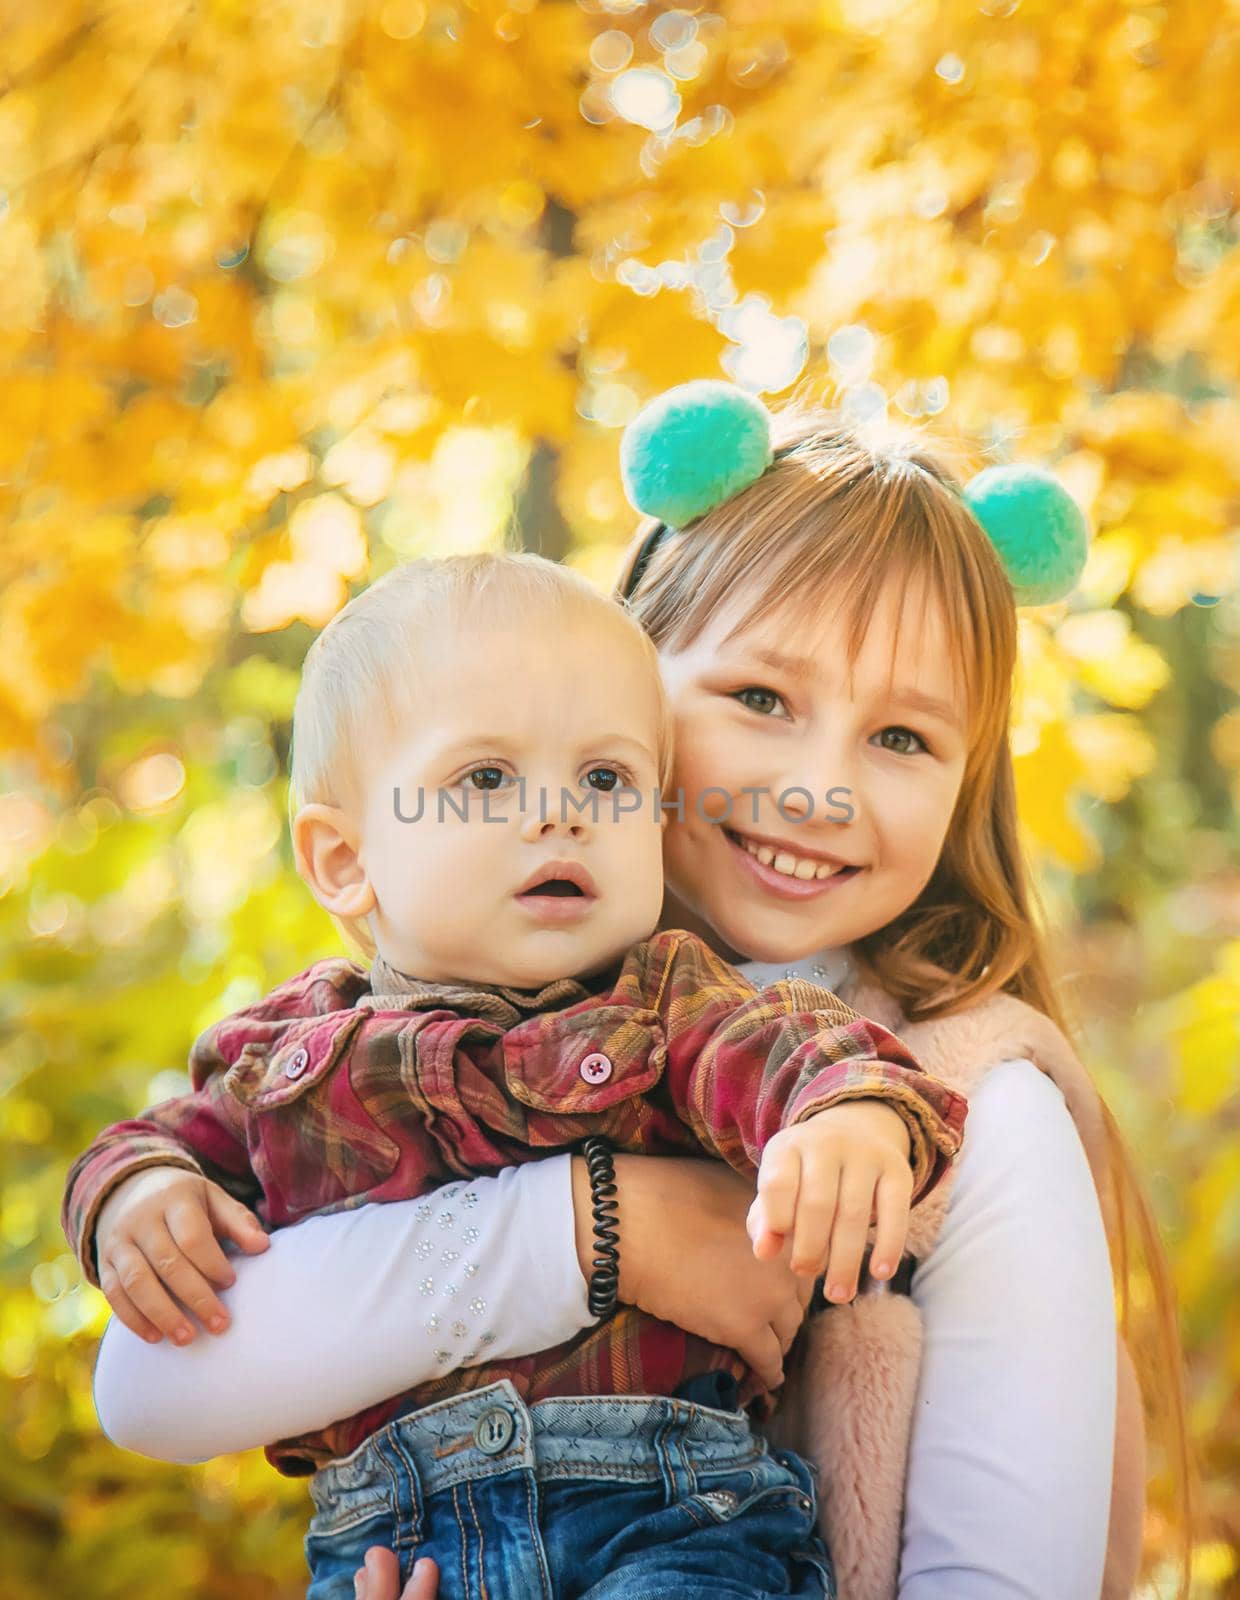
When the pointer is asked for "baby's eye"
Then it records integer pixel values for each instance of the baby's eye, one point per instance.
(604, 778)
(903, 749)
(763, 701)
(486, 778)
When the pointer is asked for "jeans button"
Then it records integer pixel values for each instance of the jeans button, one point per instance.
(493, 1430)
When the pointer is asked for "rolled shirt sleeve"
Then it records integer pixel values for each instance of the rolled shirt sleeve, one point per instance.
(743, 1064)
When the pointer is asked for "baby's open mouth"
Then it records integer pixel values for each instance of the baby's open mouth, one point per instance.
(559, 880)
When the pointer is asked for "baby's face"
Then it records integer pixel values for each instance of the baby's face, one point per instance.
(521, 866)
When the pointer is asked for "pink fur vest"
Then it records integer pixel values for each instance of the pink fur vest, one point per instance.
(849, 1397)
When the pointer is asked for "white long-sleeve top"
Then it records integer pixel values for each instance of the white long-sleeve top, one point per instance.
(1008, 1488)
(332, 1318)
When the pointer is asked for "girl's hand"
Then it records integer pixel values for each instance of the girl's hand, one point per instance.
(684, 1256)
(829, 1178)
(380, 1577)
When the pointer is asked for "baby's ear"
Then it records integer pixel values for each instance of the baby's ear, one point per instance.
(325, 845)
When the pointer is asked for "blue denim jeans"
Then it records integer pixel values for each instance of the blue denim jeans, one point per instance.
(627, 1497)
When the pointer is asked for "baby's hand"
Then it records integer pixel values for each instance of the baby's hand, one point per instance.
(830, 1176)
(159, 1227)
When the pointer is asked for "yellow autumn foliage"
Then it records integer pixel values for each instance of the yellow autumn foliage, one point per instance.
(291, 290)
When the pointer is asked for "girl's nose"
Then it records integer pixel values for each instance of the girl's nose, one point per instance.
(794, 801)
(814, 774)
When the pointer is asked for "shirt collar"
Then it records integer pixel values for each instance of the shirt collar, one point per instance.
(393, 990)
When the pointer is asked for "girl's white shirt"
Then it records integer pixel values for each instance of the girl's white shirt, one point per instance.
(1009, 1477)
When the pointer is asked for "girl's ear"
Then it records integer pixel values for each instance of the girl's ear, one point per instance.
(325, 848)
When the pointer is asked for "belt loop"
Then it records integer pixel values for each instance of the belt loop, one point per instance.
(679, 1477)
(407, 1487)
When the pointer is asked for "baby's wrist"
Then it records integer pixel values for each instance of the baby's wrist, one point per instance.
(896, 1119)
(868, 1103)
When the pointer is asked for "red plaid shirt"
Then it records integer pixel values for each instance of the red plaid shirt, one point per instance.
(344, 1086)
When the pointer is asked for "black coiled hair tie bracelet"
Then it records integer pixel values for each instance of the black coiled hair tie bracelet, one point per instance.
(605, 1279)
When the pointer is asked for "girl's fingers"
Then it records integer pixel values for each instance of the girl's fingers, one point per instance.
(182, 1276)
(786, 1325)
(895, 1190)
(852, 1223)
(764, 1355)
(129, 1268)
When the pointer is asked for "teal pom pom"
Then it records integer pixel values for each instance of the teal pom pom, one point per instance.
(1037, 527)
(692, 447)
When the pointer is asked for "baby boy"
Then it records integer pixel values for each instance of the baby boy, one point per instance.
(480, 745)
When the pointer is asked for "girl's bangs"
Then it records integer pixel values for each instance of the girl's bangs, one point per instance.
(839, 558)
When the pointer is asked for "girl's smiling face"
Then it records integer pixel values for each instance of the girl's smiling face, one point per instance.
(774, 712)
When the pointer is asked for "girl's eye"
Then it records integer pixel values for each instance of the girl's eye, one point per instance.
(486, 778)
(903, 749)
(604, 778)
(763, 701)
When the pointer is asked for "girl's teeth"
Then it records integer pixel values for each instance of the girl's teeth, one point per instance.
(789, 864)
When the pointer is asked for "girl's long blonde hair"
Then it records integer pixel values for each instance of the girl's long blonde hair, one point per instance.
(838, 514)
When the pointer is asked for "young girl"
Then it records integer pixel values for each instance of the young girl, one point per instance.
(840, 622)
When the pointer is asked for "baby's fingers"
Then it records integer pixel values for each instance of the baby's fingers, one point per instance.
(180, 1274)
(231, 1220)
(779, 1181)
(895, 1190)
(124, 1310)
(126, 1278)
(816, 1211)
(767, 1244)
(190, 1226)
(852, 1224)
(193, 1233)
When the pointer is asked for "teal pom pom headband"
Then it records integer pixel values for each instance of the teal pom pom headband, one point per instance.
(695, 446)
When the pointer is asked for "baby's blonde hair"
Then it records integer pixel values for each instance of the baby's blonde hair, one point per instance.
(365, 672)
